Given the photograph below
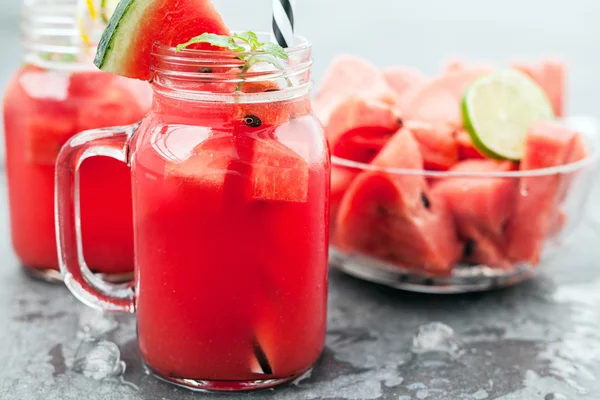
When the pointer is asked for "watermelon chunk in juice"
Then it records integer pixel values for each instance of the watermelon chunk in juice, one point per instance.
(48, 130)
(43, 109)
(480, 207)
(95, 101)
(548, 144)
(212, 157)
(246, 246)
(270, 168)
(395, 217)
(110, 103)
(274, 166)
(89, 83)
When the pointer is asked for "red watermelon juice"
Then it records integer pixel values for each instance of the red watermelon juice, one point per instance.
(43, 108)
(231, 186)
(231, 241)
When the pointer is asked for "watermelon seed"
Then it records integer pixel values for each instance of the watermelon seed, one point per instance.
(272, 90)
(205, 70)
(469, 248)
(392, 257)
(371, 153)
(252, 121)
(425, 201)
(400, 122)
(382, 211)
(503, 227)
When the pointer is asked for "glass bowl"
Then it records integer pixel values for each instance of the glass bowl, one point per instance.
(474, 231)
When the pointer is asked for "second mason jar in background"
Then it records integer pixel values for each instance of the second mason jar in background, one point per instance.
(57, 93)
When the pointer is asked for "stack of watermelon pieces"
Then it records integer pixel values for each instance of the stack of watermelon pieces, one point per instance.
(399, 118)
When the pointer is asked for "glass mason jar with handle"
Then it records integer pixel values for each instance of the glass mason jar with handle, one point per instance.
(230, 183)
(57, 93)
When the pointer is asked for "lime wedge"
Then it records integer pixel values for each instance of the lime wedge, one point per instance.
(498, 109)
(107, 9)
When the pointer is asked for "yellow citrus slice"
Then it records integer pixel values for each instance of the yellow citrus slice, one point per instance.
(92, 18)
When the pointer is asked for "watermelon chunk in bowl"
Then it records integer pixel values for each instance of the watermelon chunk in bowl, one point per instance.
(358, 128)
(350, 76)
(481, 207)
(437, 144)
(395, 217)
(550, 146)
(398, 224)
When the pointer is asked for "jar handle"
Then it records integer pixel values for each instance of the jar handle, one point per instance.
(87, 287)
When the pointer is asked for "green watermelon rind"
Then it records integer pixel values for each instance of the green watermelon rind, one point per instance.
(477, 143)
(108, 58)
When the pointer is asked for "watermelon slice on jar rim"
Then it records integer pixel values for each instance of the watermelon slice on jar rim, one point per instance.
(136, 25)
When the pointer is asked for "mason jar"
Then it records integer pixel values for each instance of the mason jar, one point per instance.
(57, 93)
(231, 183)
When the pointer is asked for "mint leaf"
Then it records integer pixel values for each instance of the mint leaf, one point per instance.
(269, 53)
(214, 40)
(250, 38)
(263, 58)
(273, 49)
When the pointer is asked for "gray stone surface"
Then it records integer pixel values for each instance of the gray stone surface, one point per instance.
(539, 340)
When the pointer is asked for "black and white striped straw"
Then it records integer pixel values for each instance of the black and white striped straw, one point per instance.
(283, 22)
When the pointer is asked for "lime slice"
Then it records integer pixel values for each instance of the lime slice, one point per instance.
(498, 109)
(107, 9)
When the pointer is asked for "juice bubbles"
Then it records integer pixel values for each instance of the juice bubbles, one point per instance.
(56, 94)
(230, 183)
(42, 109)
